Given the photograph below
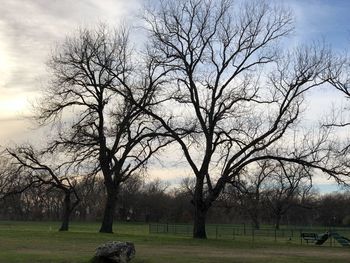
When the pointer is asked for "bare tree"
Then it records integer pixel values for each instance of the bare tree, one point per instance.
(251, 186)
(13, 187)
(9, 179)
(96, 124)
(228, 88)
(35, 169)
(339, 117)
(288, 183)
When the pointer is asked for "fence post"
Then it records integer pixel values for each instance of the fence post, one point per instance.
(233, 234)
(216, 231)
(253, 233)
(275, 234)
(244, 229)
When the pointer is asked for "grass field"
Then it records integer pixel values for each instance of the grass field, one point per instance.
(31, 242)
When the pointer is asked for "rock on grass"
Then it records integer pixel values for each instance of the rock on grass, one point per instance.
(114, 252)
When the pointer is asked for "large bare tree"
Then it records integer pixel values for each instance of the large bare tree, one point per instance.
(97, 125)
(230, 88)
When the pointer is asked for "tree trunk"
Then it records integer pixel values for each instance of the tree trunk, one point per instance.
(107, 221)
(66, 213)
(200, 211)
(278, 221)
(200, 215)
(255, 219)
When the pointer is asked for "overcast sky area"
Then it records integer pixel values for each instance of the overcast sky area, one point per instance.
(29, 29)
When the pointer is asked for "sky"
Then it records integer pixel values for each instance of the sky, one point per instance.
(29, 30)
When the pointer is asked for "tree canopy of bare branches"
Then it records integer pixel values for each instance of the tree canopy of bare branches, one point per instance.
(229, 90)
(96, 124)
(35, 169)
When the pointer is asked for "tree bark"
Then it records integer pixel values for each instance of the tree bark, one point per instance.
(200, 214)
(107, 221)
(66, 213)
(200, 211)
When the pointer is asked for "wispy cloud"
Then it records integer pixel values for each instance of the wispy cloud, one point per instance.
(316, 19)
(30, 29)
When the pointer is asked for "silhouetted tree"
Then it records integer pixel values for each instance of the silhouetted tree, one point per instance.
(250, 186)
(287, 184)
(99, 126)
(229, 89)
(36, 169)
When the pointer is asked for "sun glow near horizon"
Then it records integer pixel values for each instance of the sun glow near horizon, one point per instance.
(14, 106)
(14, 102)
(11, 102)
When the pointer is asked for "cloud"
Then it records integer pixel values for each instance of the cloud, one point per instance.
(321, 19)
(29, 30)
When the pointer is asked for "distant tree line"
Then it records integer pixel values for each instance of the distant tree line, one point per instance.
(157, 201)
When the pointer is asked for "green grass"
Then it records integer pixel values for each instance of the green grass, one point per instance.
(31, 242)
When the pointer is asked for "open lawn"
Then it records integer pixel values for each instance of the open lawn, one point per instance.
(31, 242)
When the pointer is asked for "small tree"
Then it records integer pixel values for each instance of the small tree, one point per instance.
(287, 184)
(37, 169)
(250, 187)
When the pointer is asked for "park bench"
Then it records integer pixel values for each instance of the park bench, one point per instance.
(309, 237)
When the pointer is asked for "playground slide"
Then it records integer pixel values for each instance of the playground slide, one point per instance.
(345, 242)
(322, 238)
(346, 238)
